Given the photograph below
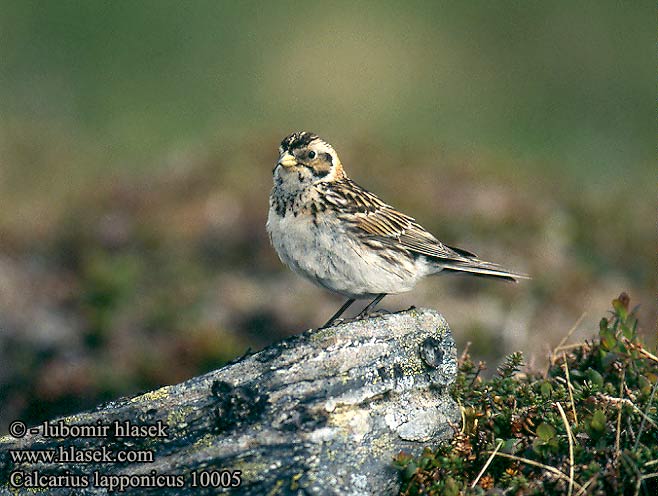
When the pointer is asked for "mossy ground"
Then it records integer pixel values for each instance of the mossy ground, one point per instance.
(586, 425)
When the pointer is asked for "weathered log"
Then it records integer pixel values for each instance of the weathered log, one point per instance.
(319, 413)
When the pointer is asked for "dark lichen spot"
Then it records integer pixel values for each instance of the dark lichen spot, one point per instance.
(237, 404)
(148, 416)
(384, 374)
(398, 372)
(301, 418)
(431, 352)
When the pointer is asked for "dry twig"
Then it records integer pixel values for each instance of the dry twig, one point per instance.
(570, 437)
(548, 468)
(622, 383)
(570, 388)
(627, 402)
(486, 465)
(641, 349)
(586, 485)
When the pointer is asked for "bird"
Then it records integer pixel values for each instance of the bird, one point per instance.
(340, 236)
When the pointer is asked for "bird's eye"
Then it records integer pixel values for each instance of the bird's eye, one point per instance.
(311, 154)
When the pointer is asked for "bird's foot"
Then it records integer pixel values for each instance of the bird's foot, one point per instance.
(362, 316)
(334, 323)
(379, 313)
(356, 318)
(372, 315)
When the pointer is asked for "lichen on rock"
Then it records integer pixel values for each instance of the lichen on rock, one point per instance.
(324, 412)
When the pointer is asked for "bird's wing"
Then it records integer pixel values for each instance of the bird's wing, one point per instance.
(375, 221)
(380, 225)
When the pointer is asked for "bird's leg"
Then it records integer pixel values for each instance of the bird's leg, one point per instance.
(340, 312)
(366, 311)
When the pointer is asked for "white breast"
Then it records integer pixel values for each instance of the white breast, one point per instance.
(335, 259)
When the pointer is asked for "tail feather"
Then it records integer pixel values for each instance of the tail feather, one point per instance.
(476, 267)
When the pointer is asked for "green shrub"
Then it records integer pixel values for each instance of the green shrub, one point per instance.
(588, 425)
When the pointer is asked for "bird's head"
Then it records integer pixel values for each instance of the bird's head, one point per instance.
(306, 159)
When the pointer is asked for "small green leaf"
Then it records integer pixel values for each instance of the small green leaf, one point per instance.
(603, 324)
(620, 308)
(576, 374)
(545, 431)
(610, 389)
(608, 339)
(451, 487)
(409, 471)
(546, 389)
(627, 331)
(594, 376)
(644, 384)
(598, 421)
(508, 445)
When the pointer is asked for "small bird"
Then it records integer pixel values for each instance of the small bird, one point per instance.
(340, 236)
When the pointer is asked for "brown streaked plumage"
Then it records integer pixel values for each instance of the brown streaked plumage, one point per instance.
(342, 237)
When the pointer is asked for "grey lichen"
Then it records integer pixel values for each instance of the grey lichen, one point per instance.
(324, 412)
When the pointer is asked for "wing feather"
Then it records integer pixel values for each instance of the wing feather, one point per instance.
(380, 225)
(371, 218)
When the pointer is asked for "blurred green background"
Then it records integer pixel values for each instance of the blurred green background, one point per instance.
(137, 141)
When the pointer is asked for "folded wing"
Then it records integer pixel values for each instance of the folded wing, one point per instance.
(380, 224)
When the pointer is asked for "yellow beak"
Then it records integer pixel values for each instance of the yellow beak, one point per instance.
(287, 160)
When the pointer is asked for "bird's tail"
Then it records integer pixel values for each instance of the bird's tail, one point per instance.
(469, 263)
(484, 269)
